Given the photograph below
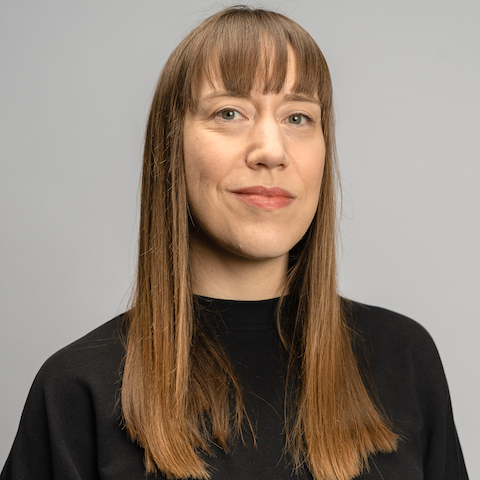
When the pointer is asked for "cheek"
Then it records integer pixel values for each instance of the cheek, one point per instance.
(201, 178)
(197, 167)
(202, 160)
(318, 180)
(312, 173)
(204, 175)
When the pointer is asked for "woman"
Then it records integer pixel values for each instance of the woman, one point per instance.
(238, 358)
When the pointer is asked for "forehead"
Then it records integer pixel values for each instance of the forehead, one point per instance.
(211, 79)
(266, 79)
(241, 53)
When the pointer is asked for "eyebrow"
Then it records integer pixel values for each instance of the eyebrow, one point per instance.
(289, 97)
(300, 97)
(222, 93)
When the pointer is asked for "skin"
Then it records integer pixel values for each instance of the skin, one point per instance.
(239, 244)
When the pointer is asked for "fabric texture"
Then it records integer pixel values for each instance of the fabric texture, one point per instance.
(70, 427)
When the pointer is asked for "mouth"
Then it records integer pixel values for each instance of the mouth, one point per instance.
(269, 198)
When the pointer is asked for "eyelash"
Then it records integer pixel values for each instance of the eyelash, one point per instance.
(218, 113)
(304, 115)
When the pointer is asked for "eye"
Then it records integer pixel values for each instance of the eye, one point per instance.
(298, 119)
(228, 114)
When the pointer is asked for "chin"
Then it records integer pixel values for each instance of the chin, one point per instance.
(261, 250)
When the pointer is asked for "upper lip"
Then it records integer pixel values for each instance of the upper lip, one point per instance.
(264, 191)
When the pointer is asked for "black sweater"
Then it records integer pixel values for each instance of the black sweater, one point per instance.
(70, 425)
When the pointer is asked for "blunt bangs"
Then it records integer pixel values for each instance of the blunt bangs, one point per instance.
(245, 50)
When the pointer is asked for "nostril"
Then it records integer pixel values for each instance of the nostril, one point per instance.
(268, 150)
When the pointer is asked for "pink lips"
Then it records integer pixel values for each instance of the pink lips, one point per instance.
(265, 197)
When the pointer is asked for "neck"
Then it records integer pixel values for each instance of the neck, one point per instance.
(221, 274)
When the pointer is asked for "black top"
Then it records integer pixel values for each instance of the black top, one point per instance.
(70, 425)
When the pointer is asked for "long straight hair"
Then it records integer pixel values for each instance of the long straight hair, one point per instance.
(178, 385)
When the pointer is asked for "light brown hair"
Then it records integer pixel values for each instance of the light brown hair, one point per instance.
(178, 383)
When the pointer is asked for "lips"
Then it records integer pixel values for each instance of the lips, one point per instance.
(265, 197)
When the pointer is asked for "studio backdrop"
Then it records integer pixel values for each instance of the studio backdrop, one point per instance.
(76, 83)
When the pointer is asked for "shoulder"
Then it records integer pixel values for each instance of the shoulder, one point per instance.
(401, 367)
(93, 358)
(384, 326)
(72, 408)
(395, 347)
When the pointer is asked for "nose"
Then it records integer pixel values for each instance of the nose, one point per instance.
(267, 145)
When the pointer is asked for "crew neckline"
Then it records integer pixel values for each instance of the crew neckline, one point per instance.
(240, 314)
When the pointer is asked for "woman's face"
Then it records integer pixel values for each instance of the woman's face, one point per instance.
(254, 170)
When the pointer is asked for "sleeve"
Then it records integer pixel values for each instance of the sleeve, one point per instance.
(404, 369)
(443, 458)
(454, 463)
(56, 436)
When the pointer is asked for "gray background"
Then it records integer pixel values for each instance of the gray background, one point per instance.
(77, 79)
